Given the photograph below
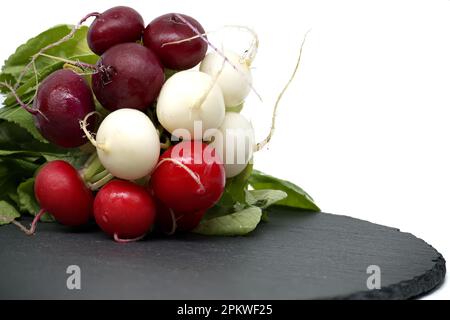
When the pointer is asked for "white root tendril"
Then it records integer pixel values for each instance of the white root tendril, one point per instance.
(249, 54)
(203, 37)
(52, 45)
(187, 39)
(263, 143)
(194, 176)
(174, 223)
(202, 100)
(21, 227)
(120, 240)
(89, 135)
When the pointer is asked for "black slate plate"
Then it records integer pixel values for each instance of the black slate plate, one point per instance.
(294, 256)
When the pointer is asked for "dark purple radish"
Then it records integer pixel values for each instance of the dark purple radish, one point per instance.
(114, 26)
(130, 76)
(62, 100)
(164, 30)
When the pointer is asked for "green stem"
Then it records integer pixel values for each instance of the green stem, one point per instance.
(93, 168)
(99, 176)
(100, 183)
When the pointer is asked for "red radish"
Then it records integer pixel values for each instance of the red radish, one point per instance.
(60, 191)
(129, 76)
(169, 28)
(188, 178)
(116, 25)
(187, 222)
(169, 222)
(124, 210)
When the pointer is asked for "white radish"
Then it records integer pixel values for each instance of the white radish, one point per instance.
(127, 144)
(234, 79)
(234, 142)
(189, 97)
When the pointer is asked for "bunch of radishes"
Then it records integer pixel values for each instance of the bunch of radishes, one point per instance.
(188, 117)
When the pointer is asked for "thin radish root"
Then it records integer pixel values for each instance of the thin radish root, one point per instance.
(120, 240)
(22, 104)
(195, 30)
(19, 101)
(32, 230)
(259, 146)
(249, 54)
(54, 44)
(194, 176)
(186, 39)
(174, 223)
(90, 136)
(213, 83)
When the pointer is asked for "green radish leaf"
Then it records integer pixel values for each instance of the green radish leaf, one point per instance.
(236, 186)
(236, 224)
(17, 142)
(7, 213)
(77, 45)
(23, 119)
(28, 202)
(264, 198)
(296, 196)
(234, 197)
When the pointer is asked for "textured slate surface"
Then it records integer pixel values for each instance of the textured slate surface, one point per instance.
(294, 256)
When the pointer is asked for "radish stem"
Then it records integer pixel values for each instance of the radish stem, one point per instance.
(100, 175)
(52, 45)
(92, 169)
(100, 183)
(71, 62)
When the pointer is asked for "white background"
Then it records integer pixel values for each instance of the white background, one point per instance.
(365, 126)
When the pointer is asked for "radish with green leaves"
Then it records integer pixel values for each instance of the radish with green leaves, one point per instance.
(190, 180)
(127, 144)
(187, 97)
